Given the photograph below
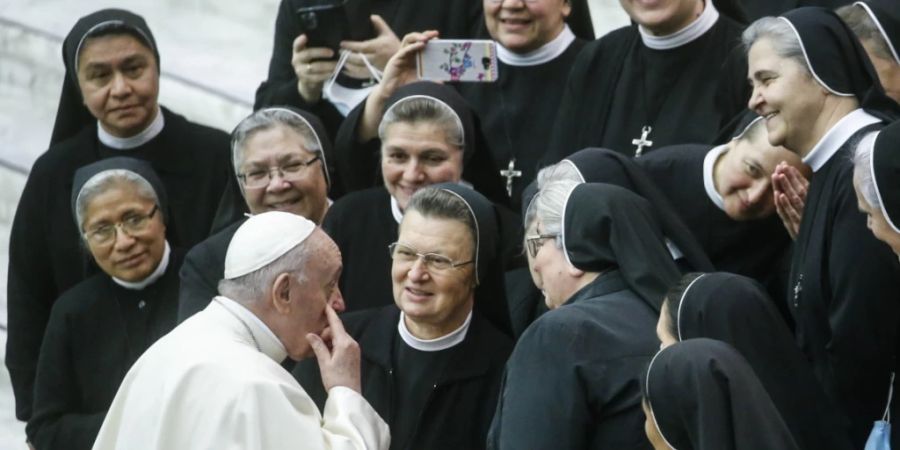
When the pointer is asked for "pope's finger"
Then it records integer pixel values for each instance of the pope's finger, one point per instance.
(319, 348)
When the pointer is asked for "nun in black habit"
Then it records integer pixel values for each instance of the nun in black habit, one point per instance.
(877, 24)
(573, 380)
(876, 179)
(364, 223)
(701, 394)
(595, 165)
(666, 86)
(204, 264)
(842, 284)
(736, 310)
(100, 327)
(191, 160)
(436, 390)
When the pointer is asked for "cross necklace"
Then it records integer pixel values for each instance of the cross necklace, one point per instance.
(510, 173)
(652, 115)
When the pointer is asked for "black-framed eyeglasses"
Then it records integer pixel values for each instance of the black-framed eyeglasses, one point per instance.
(534, 242)
(291, 172)
(132, 224)
(436, 262)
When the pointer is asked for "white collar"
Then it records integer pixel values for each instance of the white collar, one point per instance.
(837, 136)
(452, 339)
(395, 210)
(543, 54)
(709, 182)
(137, 140)
(155, 275)
(697, 28)
(261, 334)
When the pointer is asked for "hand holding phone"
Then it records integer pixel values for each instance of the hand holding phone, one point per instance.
(471, 60)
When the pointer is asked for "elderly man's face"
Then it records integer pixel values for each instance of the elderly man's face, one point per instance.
(294, 185)
(311, 293)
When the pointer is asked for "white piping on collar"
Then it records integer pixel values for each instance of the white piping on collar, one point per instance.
(147, 40)
(697, 28)
(137, 140)
(869, 140)
(155, 275)
(681, 304)
(837, 136)
(395, 210)
(543, 54)
(269, 344)
(709, 182)
(444, 342)
(562, 222)
(650, 402)
(314, 133)
(577, 170)
(884, 34)
(809, 63)
(477, 232)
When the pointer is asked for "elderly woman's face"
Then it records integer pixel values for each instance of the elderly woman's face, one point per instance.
(432, 298)
(525, 26)
(119, 82)
(876, 222)
(294, 185)
(787, 97)
(138, 241)
(416, 155)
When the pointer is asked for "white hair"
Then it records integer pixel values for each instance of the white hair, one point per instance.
(549, 205)
(102, 181)
(253, 286)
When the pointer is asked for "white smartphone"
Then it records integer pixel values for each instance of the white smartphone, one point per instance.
(473, 60)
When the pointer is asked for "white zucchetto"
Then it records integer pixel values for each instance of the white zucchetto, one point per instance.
(263, 238)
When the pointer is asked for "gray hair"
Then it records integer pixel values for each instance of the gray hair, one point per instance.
(269, 118)
(102, 181)
(782, 36)
(253, 286)
(549, 206)
(858, 19)
(564, 170)
(862, 170)
(420, 108)
(439, 203)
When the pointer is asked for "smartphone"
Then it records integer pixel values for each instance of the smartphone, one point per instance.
(328, 22)
(472, 60)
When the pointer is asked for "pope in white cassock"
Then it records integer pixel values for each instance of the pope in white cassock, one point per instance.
(215, 381)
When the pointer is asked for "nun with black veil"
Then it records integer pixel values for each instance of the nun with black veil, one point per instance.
(736, 310)
(598, 254)
(427, 135)
(432, 361)
(99, 328)
(700, 394)
(819, 95)
(108, 107)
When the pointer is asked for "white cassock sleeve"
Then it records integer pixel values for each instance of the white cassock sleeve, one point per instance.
(268, 414)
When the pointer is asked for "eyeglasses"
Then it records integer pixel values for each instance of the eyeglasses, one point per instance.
(434, 262)
(132, 224)
(534, 242)
(290, 172)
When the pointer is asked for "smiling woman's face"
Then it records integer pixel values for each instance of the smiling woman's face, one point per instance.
(522, 26)
(129, 256)
(416, 155)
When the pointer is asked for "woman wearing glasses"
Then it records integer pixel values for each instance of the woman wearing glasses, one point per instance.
(100, 327)
(598, 254)
(432, 362)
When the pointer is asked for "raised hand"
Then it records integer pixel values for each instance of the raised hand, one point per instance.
(339, 366)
